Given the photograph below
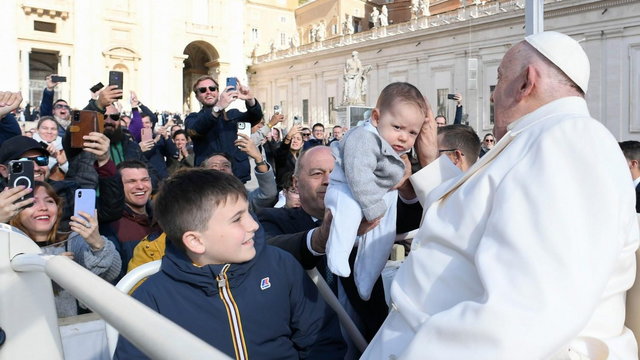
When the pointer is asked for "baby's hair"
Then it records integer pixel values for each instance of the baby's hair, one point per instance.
(401, 91)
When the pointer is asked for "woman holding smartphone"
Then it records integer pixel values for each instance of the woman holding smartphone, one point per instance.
(287, 154)
(84, 244)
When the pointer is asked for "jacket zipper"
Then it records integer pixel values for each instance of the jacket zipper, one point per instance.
(233, 314)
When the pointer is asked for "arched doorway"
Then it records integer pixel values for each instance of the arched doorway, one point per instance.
(202, 59)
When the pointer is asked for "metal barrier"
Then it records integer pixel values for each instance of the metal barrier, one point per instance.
(31, 317)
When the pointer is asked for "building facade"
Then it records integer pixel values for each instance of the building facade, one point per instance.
(161, 46)
(459, 51)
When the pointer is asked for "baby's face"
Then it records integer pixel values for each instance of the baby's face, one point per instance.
(399, 125)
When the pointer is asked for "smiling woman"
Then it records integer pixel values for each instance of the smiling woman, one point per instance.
(84, 244)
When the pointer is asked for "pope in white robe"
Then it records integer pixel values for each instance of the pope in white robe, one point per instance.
(529, 254)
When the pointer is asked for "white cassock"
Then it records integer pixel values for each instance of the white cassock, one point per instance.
(529, 258)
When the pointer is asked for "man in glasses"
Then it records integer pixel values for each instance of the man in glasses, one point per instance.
(59, 109)
(317, 139)
(214, 129)
(306, 134)
(460, 144)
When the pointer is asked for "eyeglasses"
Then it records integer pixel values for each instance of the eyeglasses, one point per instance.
(203, 90)
(489, 140)
(61, 106)
(114, 117)
(40, 160)
(306, 135)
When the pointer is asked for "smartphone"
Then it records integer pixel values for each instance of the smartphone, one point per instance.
(244, 128)
(21, 173)
(84, 122)
(96, 87)
(115, 78)
(277, 110)
(84, 200)
(233, 82)
(451, 96)
(146, 134)
(297, 120)
(58, 79)
(44, 145)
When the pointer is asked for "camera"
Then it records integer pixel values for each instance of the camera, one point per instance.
(16, 168)
(241, 125)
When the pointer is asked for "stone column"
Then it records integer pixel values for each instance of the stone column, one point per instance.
(24, 74)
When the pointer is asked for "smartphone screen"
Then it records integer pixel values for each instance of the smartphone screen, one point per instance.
(146, 134)
(84, 200)
(21, 173)
(58, 79)
(244, 128)
(116, 78)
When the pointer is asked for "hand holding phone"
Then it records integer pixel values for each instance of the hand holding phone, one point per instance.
(10, 203)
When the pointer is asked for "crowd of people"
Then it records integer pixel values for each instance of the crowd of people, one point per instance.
(516, 255)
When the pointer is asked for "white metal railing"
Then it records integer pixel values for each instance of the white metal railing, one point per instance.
(145, 328)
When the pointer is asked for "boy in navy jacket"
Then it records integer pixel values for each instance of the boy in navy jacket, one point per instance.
(220, 281)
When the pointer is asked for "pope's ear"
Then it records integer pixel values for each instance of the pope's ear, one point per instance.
(192, 241)
(529, 80)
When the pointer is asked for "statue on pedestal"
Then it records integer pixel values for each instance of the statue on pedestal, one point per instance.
(384, 16)
(355, 81)
(348, 25)
(294, 41)
(320, 31)
(415, 9)
(424, 8)
(375, 17)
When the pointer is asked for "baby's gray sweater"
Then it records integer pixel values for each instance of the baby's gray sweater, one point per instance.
(371, 167)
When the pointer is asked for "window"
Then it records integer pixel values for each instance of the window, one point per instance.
(254, 34)
(305, 109)
(283, 19)
(443, 109)
(44, 26)
(283, 39)
(491, 88)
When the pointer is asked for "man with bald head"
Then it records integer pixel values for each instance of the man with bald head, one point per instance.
(529, 253)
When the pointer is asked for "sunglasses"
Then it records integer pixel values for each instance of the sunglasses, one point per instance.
(60, 106)
(203, 90)
(114, 117)
(490, 140)
(40, 160)
(305, 134)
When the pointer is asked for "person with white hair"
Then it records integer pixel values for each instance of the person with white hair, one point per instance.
(529, 253)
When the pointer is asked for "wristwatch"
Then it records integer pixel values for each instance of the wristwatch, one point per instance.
(217, 109)
(261, 163)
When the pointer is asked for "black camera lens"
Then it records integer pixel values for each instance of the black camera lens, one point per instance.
(16, 168)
